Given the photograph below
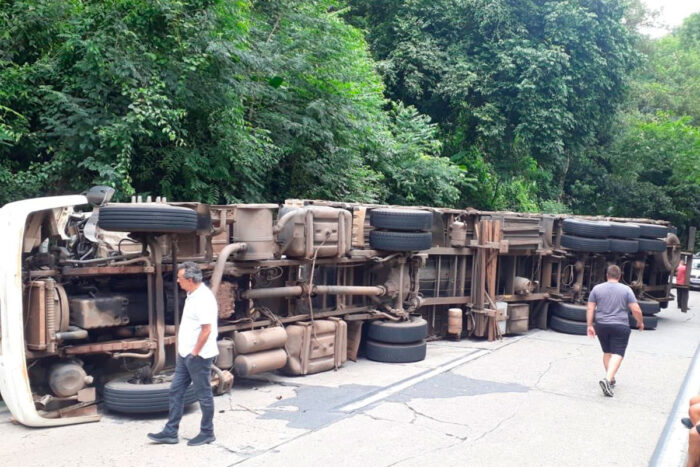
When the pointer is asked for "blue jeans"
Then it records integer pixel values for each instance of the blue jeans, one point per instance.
(196, 370)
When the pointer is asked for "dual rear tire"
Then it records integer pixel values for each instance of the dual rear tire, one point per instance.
(615, 237)
(147, 218)
(569, 318)
(397, 341)
(401, 229)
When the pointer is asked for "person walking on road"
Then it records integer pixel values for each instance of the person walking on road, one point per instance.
(196, 349)
(608, 305)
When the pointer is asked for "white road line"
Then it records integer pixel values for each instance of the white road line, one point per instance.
(383, 394)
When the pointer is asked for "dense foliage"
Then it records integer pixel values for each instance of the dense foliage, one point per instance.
(557, 106)
(216, 101)
(650, 164)
(520, 89)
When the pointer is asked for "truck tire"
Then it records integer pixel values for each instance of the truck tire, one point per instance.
(652, 244)
(400, 241)
(570, 312)
(652, 231)
(623, 246)
(649, 322)
(649, 307)
(578, 312)
(396, 353)
(121, 395)
(156, 218)
(596, 245)
(284, 210)
(398, 332)
(624, 230)
(583, 228)
(401, 219)
(671, 256)
(567, 326)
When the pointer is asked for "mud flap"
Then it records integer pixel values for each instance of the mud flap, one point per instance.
(541, 314)
(354, 338)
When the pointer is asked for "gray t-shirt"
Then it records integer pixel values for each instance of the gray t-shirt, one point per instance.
(612, 301)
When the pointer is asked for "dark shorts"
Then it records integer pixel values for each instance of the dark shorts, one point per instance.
(613, 337)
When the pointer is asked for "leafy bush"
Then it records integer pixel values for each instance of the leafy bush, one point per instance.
(213, 101)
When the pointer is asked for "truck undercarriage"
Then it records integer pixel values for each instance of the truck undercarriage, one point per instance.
(90, 307)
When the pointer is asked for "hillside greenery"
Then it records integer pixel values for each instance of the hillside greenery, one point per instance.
(543, 106)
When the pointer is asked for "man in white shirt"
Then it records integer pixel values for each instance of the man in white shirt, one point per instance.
(196, 349)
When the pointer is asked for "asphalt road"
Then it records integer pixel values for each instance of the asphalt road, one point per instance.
(525, 400)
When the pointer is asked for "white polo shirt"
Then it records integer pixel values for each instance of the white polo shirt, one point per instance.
(200, 308)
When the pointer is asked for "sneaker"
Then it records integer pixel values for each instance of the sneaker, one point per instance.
(612, 383)
(605, 386)
(687, 423)
(200, 439)
(162, 438)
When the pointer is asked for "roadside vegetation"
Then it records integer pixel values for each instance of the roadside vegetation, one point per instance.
(544, 106)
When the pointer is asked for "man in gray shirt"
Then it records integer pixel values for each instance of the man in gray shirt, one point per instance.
(609, 303)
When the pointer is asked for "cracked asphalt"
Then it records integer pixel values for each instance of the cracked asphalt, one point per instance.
(525, 400)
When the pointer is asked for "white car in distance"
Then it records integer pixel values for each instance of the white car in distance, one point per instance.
(695, 274)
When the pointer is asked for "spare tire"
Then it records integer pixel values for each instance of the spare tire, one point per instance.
(400, 241)
(623, 246)
(671, 256)
(401, 219)
(147, 217)
(585, 244)
(570, 311)
(595, 229)
(651, 244)
(284, 210)
(122, 394)
(567, 326)
(398, 332)
(624, 230)
(395, 353)
(652, 231)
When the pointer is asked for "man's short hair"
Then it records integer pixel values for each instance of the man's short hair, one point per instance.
(192, 271)
(614, 271)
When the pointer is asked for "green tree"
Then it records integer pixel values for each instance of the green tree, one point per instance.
(648, 165)
(209, 100)
(511, 83)
(655, 170)
(414, 172)
(670, 79)
(127, 93)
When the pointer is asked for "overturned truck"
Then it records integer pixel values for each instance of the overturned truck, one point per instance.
(90, 308)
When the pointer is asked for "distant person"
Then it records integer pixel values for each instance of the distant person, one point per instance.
(681, 287)
(196, 349)
(608, 304)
